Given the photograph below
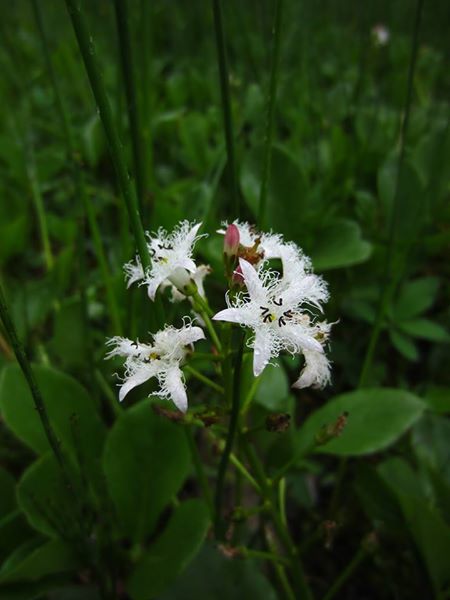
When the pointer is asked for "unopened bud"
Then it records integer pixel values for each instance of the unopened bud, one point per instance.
(332, 430)
(231, 241)
(278, 422)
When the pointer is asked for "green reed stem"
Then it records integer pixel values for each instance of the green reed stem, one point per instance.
(128, 73)
(32, 384)
(232, 428)
(39, 207)
(77, 176)
(282, 530)
(206, 380)
(388, 284)
(274, 71)
(226, 105)
(346, 574)
(147, 92)
(88, 53)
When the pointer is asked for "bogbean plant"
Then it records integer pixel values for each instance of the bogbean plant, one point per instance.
(189, 469)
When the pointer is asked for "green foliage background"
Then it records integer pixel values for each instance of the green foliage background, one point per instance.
(335, 188)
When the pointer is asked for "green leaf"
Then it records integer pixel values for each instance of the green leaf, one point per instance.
(49, 505)
(69, 335)
(438, 399)
(425, 329)
(213, 576)
(146, 461)
(7, 492)
(430, 532)
(404, 344)
(53, 557)
(339, 244)
(171, 552)
(273, 388)
(376, 419)
(416, 297)
(70, 409)
(430, 440)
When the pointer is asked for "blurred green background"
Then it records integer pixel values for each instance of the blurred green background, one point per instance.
(367, 203)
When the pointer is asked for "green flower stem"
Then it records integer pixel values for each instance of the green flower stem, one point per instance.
(226, 105)
(233, 426)
(198, 465)
(206, 355)
(275, 558)
(201, 307)
(297, 572)
(389, 283)
(34, 389)
(88, 53)
(274, 70)
(241, 468)
(280, 571)
(77, 176)
(206, 380)
(39, 208)
(282, 500)
(250, 394)
(129, 77)
(346, 573)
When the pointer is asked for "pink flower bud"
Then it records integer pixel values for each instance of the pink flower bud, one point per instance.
(231, 241)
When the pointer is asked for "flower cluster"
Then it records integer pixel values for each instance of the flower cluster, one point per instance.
(279, 309)
(161, 359)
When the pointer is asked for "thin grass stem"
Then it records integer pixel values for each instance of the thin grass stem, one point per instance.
(77, 175)
(388, 284)
(226, 105)
(88, 53)
(274, 72)
(129, 78)
(38, 400)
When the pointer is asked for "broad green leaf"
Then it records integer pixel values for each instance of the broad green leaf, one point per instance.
(273, 388)
(416, 297)
(7, 492)
(430, 439)
(146, 461)
(213, 576)
(376, 497)
(339, 244)
(14, 530)
(69, 334)
(438, 399)
(430, 532)
(404, 344)
(376, 419)
(407, 195)
(51, 558)
(70, 409)
(51, 506)
(172, 551)
(425, 329)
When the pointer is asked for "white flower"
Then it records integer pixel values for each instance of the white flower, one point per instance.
(380, 34)
(197, 277)
(272, 309)
(171, 255)
(161, 359)
(316, 372)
